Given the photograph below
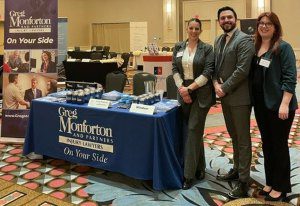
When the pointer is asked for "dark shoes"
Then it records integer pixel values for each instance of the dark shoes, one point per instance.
(263, 193)
(188, 183)
(239, 191)
(231, 175)
(280, 198)
(200, 175)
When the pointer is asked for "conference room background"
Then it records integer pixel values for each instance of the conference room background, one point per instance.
(164, 28)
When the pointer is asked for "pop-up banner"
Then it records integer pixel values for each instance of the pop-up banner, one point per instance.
(29, 64)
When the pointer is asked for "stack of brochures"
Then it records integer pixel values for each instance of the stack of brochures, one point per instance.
(112, 96)
(166, 105)
(60, 94)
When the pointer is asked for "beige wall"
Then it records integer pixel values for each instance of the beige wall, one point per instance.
(207, 12)
(288, 12)
(81, 13)
(78, 26)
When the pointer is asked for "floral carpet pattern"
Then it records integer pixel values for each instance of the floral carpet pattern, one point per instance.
(86, 186)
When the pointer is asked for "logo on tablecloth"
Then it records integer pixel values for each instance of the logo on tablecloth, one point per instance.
(85, 140)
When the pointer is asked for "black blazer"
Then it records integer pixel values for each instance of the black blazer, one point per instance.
(279, 77)
(203, 64)
(51, 67)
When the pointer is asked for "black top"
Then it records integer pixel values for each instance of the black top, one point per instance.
(258, 75)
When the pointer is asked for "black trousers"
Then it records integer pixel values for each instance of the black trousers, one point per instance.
(274, 134)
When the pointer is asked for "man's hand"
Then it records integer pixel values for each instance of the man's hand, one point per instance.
(219, 90)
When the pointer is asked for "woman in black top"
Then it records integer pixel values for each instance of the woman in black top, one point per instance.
(273, 92)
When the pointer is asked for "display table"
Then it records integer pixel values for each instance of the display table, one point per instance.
(89, 71)
(161, 66)
(81, 54)
(145, 147)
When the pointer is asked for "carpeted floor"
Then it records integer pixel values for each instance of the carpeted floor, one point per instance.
(57, 182)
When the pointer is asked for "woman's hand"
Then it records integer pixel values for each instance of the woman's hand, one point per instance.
(283, 111)
(183, 91)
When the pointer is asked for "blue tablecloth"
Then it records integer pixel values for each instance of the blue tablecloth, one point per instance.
(146, 147)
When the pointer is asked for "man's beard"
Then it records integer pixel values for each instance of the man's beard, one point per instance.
(226, 30)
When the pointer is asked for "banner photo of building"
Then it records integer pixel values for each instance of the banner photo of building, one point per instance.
(29, 62)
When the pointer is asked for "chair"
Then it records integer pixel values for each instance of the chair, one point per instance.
(165, 48)
(125, 56)
(106, 51)
(106, 48)
(99, 48)
(77, 48)
(113, 54)
(138, 82)
(96, 56)
(115, 81)
(171, 87)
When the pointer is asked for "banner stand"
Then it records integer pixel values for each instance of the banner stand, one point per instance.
(29, 61)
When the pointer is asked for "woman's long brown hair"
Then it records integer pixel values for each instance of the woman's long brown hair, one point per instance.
(277, 36)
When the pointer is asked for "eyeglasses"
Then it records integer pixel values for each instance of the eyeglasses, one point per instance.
(266, 24)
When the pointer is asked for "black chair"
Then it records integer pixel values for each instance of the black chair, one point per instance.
(113, 54)
(125, 56)
(77, 48)
(115, 81)
(99, 48)
(165, 48)
(171, 87)
(96, 56)
(138, 82)
(93, 48)
(106, 48)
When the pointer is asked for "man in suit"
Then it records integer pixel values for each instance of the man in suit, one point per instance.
(14, 60)
(233, 54)
(33, 92)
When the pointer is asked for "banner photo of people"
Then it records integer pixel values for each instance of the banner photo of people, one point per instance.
(29, 62)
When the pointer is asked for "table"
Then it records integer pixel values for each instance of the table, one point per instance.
(146, 147)
(81, 54)
(89, 71)
(159, 65)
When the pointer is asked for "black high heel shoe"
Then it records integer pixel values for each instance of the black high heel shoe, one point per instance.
(188, 183)
(263, 193)
(280, 198)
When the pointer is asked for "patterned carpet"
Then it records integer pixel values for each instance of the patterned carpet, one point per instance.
(27, 181)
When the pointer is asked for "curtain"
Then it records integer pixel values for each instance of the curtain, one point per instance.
(115, 35)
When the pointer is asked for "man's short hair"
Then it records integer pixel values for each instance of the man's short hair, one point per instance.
(225, 8)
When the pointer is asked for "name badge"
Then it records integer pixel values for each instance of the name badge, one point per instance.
(265, 62)
(99, 103)
(142, 109)
(179, 54)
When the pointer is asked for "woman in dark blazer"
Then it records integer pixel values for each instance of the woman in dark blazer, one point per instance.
(193, 65)
(273, 92)
(48, 66)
